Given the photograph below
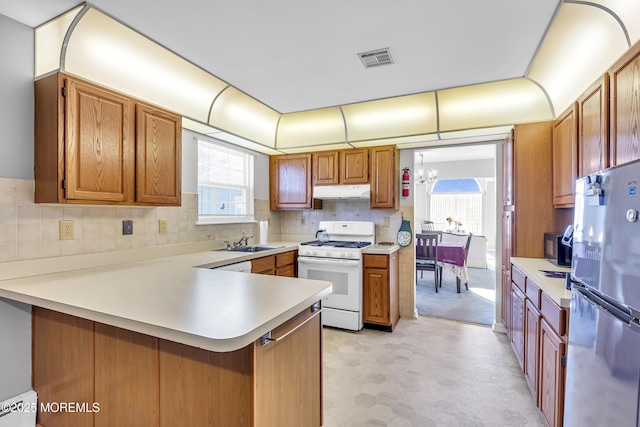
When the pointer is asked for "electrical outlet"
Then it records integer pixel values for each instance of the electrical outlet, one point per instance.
(162, 226)
(302, 220)
(385, 221)
(66, 230)
(127, 227)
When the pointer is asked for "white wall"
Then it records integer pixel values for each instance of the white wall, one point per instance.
(16, 145)
(16, 87)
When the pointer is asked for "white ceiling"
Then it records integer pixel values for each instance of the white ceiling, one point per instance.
(295, 55)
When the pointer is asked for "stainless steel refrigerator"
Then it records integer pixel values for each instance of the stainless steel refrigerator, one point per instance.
(603, 364)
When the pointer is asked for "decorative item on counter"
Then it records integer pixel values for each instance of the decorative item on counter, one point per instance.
(450, 220)
(404, 233)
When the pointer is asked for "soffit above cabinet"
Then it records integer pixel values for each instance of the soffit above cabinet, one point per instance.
(582, 41)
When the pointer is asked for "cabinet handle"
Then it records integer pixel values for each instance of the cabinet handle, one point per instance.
(266, 338)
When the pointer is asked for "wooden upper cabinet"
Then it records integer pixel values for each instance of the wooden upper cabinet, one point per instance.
(624, 78)
(384, 177)
(290, 182)
(86, 139)
(565, 158)
(158, 156)
(99, 144)
(507, 171)
(341, 167)
(326, 165)
(593, 124)
(354, 166)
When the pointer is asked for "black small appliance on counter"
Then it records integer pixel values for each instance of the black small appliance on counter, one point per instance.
(557, 247)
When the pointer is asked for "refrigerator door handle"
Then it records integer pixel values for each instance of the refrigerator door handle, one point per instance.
(603, 304)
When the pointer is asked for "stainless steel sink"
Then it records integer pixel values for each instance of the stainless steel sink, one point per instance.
(255, 248)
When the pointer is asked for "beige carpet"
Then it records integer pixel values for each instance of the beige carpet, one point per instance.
(428, 372)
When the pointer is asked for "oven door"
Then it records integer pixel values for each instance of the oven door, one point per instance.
(344, 274)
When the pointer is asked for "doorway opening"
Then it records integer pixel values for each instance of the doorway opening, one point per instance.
(459, 203)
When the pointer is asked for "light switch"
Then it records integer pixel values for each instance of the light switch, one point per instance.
(127, 227)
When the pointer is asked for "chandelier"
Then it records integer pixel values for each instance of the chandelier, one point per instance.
(429, 177)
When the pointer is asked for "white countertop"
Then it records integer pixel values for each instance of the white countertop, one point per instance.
(381, 249)
(170, 299)
(554, 288)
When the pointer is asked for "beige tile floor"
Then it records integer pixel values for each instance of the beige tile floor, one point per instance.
(428, 372)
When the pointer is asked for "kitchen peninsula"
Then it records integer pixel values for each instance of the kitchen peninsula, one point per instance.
(159, 342)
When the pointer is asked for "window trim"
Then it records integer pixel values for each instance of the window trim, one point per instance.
(229, 219)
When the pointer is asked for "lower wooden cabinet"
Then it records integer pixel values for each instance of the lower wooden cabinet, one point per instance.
(531, 335)
(517, 323)
(380, 294)
(140, 380)
(552, 375)
(283, 264)
(537, 330)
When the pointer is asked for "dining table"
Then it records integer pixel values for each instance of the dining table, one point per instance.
(451, 256)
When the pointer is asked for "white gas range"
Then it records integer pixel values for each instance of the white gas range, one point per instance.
(339, 261)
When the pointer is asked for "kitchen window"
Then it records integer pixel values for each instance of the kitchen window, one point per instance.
(225, 184)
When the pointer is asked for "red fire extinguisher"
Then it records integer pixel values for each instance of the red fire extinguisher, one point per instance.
(405, 182)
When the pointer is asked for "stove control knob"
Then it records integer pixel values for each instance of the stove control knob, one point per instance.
(344, 254)
(327, 253)
(313, 253)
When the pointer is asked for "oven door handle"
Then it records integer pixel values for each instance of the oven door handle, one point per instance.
(325, 261)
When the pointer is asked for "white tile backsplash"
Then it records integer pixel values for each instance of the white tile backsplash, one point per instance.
(29, 230)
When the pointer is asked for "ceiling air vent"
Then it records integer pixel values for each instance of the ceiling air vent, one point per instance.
(375, 58)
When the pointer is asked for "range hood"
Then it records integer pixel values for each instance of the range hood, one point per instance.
(328, 192)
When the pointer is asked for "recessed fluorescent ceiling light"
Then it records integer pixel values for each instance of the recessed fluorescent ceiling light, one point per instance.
(377, 57)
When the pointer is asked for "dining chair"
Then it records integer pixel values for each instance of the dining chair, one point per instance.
(427, 254)
(426, 226)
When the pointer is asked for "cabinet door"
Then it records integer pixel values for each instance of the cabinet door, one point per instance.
(625, 98)
(354, 166)
(288, 375)
(376, 296)
(517, 322)
(551, 393)
(99, 144)
(158, 156)
(290, 181)
(384, 178)
(532, 333)
(126, 377)
(62, 365)
(565, 158)
(325, 167)
(507, 240)
(507, 171)
(593, 122)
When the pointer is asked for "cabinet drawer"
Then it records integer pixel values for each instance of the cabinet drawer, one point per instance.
(533, 293)
(286, 271)
(376, 261)
(555, 315)
(285, 259)
(518, 278)
(263, 264)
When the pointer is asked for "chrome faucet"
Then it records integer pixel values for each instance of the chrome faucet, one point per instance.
(244, 240)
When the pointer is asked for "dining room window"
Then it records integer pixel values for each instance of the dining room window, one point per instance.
(459, 200)
(225, 184)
